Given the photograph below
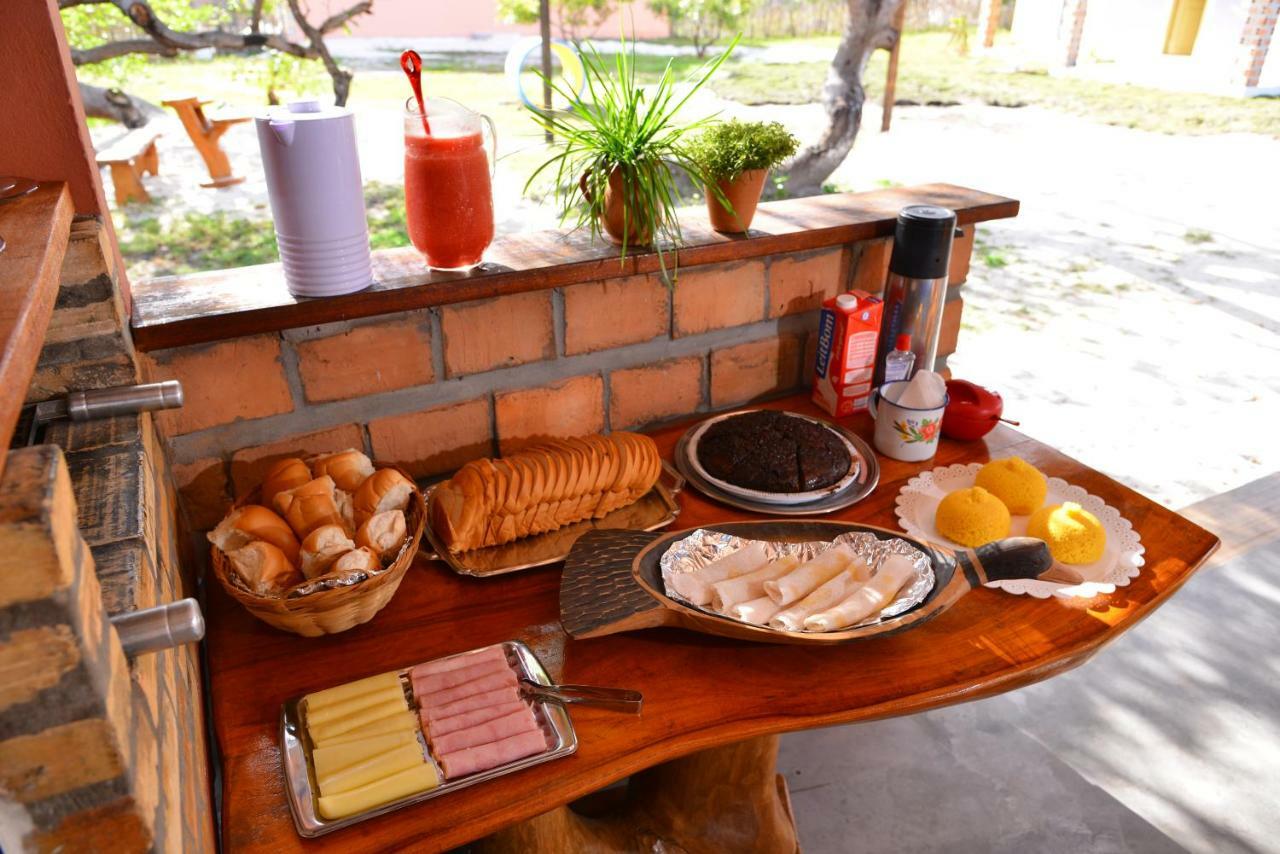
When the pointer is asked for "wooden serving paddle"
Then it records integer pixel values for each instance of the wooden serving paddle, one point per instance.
(612, 581)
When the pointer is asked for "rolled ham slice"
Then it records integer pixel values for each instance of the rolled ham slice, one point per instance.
(434, 713)
(834, 591)
(484, 684)
(482, 757)
(521, 720)
(453, 723)
(870, 598)
(430, 683)
(756, 611)
(696, 586)
(807, 577)
(454, 662)
(743, 588)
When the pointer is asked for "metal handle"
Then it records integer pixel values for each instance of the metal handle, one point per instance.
(123, 400)
(619, 699)
(677, 480)
(161, 627)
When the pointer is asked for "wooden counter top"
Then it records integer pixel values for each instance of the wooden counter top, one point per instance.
(699, 691)
(36, 229)
(180, 310)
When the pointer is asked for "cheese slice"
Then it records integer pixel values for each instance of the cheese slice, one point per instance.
(372, 769)
(419, 778)
(333, 758)
(351, 690)
(333, 711)
(399, 722)
(323, 731)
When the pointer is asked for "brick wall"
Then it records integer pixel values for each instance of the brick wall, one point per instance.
(433, 388)
(96, 751)
(1255, 39)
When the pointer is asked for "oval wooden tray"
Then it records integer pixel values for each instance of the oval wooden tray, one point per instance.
(612, 581)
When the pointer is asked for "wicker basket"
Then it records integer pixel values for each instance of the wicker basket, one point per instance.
(327, 612)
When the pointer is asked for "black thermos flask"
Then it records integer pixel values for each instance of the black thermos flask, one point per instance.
(917, 286)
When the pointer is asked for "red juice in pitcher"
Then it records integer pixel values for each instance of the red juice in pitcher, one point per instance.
(448, 194)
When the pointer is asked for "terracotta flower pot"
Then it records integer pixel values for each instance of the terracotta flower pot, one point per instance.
(613, 216)
(743, 193)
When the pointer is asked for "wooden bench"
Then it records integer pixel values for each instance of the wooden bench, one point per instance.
(129, 156)
(205, 133)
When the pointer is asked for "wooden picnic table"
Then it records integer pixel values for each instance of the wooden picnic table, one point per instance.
(713, 705)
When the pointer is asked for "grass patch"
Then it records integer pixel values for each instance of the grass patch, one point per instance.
(1198, 236)
(994, 258)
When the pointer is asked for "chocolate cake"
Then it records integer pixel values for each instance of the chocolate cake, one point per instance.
(772, 451)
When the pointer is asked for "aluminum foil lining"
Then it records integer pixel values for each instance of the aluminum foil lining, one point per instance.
(702, 547)
(331, 580)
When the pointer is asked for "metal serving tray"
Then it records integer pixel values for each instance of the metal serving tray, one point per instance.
(295, 750)
(655, 509)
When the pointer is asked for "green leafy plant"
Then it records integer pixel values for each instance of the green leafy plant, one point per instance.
(726, 150)
(703, 21)
(618, 126)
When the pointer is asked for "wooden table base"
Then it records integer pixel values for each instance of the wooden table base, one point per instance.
(723, 799)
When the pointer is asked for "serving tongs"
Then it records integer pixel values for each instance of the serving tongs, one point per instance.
(618, 699)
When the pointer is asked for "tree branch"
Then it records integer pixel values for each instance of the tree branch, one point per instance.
(110, 50)
(341, 77)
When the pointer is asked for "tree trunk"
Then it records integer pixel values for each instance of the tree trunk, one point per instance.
(118, 106)
(868, 27)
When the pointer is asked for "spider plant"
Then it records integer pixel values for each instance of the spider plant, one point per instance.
(617, 144)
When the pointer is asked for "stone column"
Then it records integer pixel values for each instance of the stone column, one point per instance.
(1255, 40)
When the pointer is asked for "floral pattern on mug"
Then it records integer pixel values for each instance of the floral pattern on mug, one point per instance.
(927, 431)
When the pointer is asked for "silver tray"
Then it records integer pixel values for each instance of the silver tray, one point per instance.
(295, 751)
(655, 509)
(867, 479)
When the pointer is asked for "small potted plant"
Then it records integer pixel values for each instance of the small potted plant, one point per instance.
(737, 157)
(616, 145)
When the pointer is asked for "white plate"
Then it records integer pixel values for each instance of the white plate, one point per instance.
(918, 502)
(773, 497)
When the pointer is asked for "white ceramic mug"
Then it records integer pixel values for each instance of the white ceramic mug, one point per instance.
(904, 433)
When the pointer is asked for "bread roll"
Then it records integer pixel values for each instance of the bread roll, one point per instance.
(289, 473)
(252, 522)
(322, 547)
(263, 568)
(346, 508)
(348, 468)
(385, 489)
(310, 506)
(361, 559)
(542, 488)
(383, 533)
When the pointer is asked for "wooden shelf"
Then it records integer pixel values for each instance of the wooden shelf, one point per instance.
(36, 229)
(180, 310)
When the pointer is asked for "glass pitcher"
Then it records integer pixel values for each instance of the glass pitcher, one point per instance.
(448, 188)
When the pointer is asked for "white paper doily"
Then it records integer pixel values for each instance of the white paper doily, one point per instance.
(918, 502)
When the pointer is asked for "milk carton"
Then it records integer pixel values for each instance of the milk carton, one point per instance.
(847, 334)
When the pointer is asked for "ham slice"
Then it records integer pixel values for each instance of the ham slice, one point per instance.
(521, 720)
(482, 757)
(429, 683)
(453, 723)
(433, 712)
(498, 679)
(453, 662)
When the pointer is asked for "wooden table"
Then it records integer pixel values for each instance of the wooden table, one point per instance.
(700, 692)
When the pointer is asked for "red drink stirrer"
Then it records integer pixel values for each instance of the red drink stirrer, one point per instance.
(412, 65)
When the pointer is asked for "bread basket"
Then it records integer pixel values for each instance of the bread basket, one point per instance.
(327, 612)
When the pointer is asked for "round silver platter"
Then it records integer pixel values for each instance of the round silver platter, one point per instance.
(865, 459)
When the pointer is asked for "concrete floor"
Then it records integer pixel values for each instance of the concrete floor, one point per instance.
(1168, 740)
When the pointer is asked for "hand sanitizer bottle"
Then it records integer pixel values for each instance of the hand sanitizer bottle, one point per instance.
(900, 361)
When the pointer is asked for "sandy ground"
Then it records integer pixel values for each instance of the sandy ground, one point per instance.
(1135, 322)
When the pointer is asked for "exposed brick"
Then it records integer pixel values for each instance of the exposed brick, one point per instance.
(224, 382)
(203, 487)
(801, 282)
(872, 267)
(654, 392)
(961, 252)
(719, 296)
(755, 369)
(950, 334)
(145, 773)
(117, 826)
(435, 440)
(615, 312)
(58, 759)
(171, 779)
(368, 359)
(572, 407)
(38, 525)
(248, 465)
(497, 333)
(33, 660)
